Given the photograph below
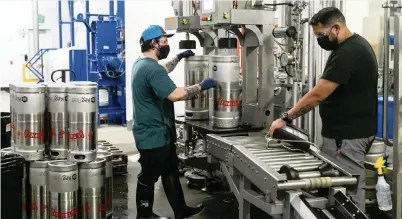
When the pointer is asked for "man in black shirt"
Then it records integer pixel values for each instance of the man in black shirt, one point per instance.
(346, 93)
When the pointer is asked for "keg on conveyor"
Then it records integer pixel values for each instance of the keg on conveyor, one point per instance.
(29, 105)
(62, 181)
(108, 181)
(82, 115)
(39, 189)
(57, 120)
(225, 70)
(196, 69)
(92, 189)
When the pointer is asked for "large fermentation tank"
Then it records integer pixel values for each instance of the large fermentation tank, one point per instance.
(226, 71)
(92, 189)
(39, 189)
(57, 120)
(196, 69)
(62, 179)
(29, 105)
(82, 114)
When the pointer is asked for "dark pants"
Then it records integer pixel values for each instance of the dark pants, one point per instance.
(351, 153)
(157, 162)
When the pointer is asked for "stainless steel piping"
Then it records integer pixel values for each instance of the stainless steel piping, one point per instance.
(314, 183)
(387, 141)
(311, 73)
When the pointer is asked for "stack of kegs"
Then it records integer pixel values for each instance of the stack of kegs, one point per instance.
(54, 128)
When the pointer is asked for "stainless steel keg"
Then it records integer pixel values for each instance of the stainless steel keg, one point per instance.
(225, 70)
(82, 114)
(29, 103)
(104, 148)
(39, 189)
(26, 199)
(12, 115)
(92, 189)
(62, 180)
(57, 120)
(109, 181)
(196, 69)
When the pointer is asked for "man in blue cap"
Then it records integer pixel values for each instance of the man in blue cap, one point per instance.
(154, 123)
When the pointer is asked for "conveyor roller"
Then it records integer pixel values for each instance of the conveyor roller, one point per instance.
(316, 183)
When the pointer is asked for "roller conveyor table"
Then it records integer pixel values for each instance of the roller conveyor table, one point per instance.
(278, 172)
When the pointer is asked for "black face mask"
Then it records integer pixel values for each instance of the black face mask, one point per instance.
(326, 44)
(163, 52)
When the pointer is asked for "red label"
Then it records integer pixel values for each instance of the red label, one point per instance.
(34, 207)
(222, 102)
(61, 133)
(44, 207)
(78, 135)
(29, 134)
(18, 133)
(54, 213)
(90, 135)
(52, 132)
(86, 208)
(102, 207)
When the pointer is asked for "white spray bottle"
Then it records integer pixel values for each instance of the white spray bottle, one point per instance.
(384, 198)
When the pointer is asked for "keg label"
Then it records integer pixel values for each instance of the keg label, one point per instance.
(65, 177)
(34, 207)
(53, 133)
(57, 98)
(78, 135)
(68, 214)
(29, 134)
(101, 208)
(222, 102)
(83, 100)
(23, 99)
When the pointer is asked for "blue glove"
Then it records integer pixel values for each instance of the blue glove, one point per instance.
(207, 84)
(185, 54)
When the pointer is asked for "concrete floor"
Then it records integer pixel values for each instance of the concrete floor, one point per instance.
(125, 185)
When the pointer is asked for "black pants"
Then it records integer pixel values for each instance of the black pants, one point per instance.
(157, 162)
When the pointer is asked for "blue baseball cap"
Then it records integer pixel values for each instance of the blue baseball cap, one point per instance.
(153, 32)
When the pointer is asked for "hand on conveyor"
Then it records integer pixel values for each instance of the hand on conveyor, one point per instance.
(207, 83)
(277, 124)
(185, 54)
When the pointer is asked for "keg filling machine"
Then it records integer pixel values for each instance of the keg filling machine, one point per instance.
(283, 179)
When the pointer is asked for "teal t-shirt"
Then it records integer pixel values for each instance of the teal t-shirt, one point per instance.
(153, 114)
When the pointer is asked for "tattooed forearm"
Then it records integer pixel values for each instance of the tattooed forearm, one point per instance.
(192, 91)
(295, 113)
(170, 65)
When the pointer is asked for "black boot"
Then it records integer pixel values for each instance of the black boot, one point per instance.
(175, 196)
(145, 202)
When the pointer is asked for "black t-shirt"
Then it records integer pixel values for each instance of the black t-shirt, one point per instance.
(350, 112)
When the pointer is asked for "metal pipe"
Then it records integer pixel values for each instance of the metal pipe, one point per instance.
(111, 8)
(315, 183)
(35, 27)
(293, 162)
(312, 174)
(60, 25)
(282, 156)
(386, 77)
(311, 73)
(71, 11)
(314, 163)
(305, 168)
(288, 159)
